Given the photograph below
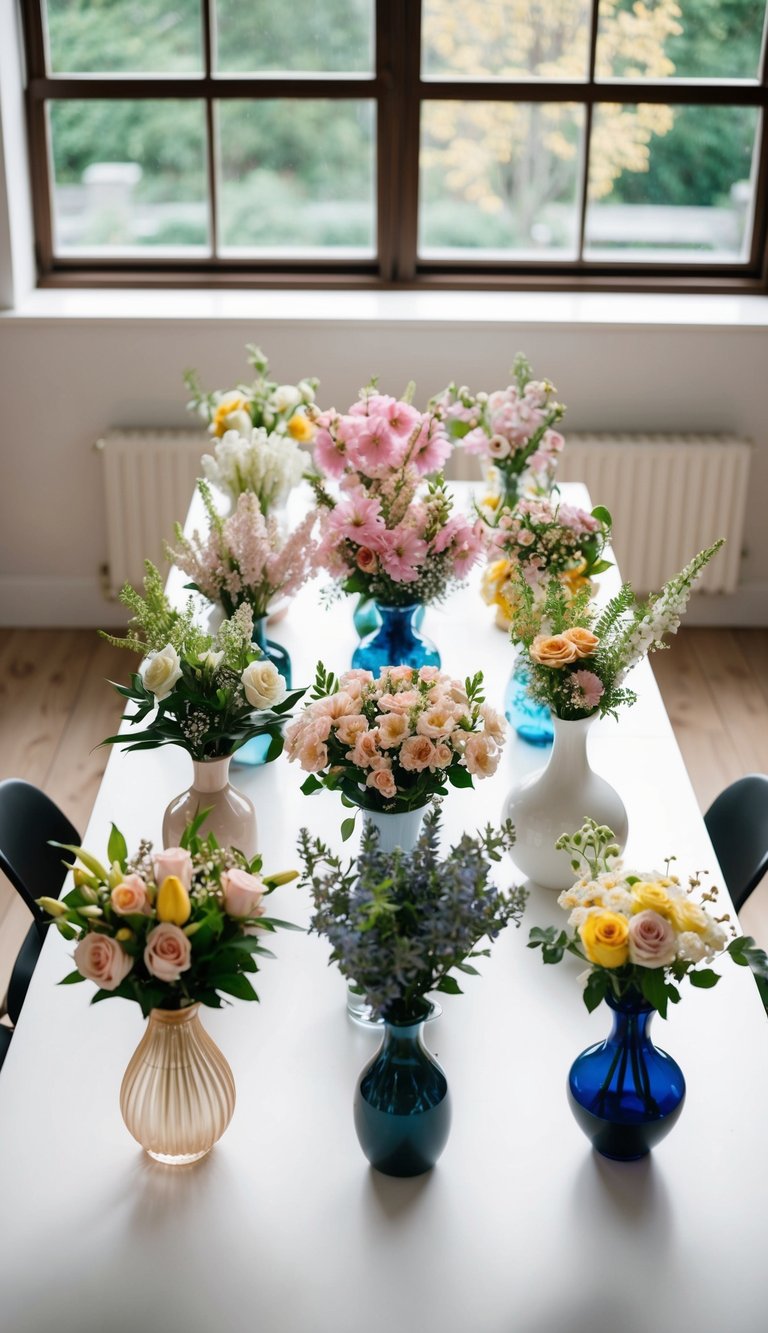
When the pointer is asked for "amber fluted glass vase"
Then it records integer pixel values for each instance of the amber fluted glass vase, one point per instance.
(178, 1093)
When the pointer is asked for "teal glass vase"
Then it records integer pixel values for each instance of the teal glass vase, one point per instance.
(397, 641)
(402, 1104)
(531, 720)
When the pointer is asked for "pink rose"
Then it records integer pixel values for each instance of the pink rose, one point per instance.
(652, 940)
(366, 749)
(349, 728)
(102, 959)
(242, 893)
(481, 755)
(382, 782)
(130, 896)
(416, 754)
(399, 703)
(173, 861)
(493, 724)
(398, 673)
(439, 720)
(312, 753)
(441, 756)
(393, 729)
(168, 952)
(366, 559)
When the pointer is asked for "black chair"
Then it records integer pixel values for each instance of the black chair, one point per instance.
(737, 823)
(5, 1041)
(28, 819)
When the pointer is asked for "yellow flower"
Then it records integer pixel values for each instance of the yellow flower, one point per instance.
(686, 915)
(605, 936)
(124, 934)
(574, 579)
(301, 428)
(224, 418)
(173, 901)
(650, 895)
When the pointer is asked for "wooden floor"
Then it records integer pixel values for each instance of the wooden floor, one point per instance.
(55, 708)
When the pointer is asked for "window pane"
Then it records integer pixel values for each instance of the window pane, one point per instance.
(682, 39)
(671, 182)
(500, 176)
(121, 180)
(296, 175)
(505, 39)
(130, 36)
(306, 35)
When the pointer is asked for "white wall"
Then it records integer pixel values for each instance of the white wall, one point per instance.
(65, 379)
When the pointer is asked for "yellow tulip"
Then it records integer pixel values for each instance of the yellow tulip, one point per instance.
(173, 901)
(605, 936)
(52, 906)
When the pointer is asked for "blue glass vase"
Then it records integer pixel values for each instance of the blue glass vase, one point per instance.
(402, 1104)
(255, 751)
(366, 617)
(531, 720)
(625, 1093)
(396, 642)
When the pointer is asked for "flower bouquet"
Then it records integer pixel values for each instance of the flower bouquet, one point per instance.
(208, 694)
(258, 429)
(510, 430)
(641, 934)
(389, 534)
(402, 925)
(389, 744)
(578, 657)
(172, 930)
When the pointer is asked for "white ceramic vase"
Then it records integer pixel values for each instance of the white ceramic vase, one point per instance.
(232, 815)
(556, 800)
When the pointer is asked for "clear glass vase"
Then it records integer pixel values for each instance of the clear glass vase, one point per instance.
(402, 1104)
(178, 1092)
(254, 752)
(625, 1093)
(397, 641)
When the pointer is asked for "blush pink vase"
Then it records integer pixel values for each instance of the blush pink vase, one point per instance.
(232, 815)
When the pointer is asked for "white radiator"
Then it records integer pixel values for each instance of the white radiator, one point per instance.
(149, 477)
(670, 495)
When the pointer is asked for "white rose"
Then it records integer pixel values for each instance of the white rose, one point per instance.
(264, 686)
(162, 671)
(691, 947)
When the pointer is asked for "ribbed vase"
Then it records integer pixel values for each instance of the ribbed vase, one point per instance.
(178, 1092)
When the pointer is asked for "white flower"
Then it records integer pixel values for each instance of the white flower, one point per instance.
(264, 686)
(286, 397)
(210, 660)
(162, 671)
(499, 447)
(691, 947)
(270, 465)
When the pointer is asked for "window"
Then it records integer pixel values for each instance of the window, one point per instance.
(410, 142)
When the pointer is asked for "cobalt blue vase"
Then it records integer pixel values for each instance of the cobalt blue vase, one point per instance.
(402, 1103)
(397, 641)
(255, 751)
(531, 720)
(625, 1093)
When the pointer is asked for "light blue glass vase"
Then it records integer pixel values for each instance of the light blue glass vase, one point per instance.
(531, 720)
(255, 751)
(402, 1104)
(396, 642)
(625, 1093)
(366, 617)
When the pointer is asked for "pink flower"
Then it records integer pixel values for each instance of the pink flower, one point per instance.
(242, 893)
(493, 724)
(173, 861)
(382, 782)
(481, 755)
(402, 702)
(401, 551)
(416, 754)
(587, 689)
(131, 895)
(366, 560)
(312, 753)
(431, 447)
(439, 720)
(441, 756)
(366, 750)
(393, 730)
(101, 958)
(376, 448)
(358, 519)
(398, 673)
(168, 952)
(429, 674)
(349, 728)
(652, 940)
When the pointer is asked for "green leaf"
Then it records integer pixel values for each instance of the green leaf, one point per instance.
(310, 785)
(71, 978)
(703, 977)
(117, 849)
(459, 776)
(468, 968)
(234, 984)
(600, 566)
(347, 828)
(654, 987)
(602, 515)
(449, 986)
(596, 989)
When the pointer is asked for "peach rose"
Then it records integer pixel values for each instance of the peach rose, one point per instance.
(366, 749)
(393, 730)
(398, 673)
(439, 720)
(382, 782)
(349, 728)
(583, 640)
(493, 724)
(242, 893)
(441, 756)
(553, 650)
(429, 674)
(335, 706)
(399, 703)
(101, 959)
(416, 753)
(312, 753)
(168, 952)
(173, 861)
(130, 896)
(366, 559)
(481, 755)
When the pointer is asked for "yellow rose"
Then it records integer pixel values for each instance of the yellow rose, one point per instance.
(686, 915)
(301, 428)
(173, 901)
(652, 896)
(605, 936)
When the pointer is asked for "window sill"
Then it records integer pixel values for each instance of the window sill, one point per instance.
(553, 309)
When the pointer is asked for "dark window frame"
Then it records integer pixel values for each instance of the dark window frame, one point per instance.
(398, 90)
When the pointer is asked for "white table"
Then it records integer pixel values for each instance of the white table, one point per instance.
(284, 1227)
